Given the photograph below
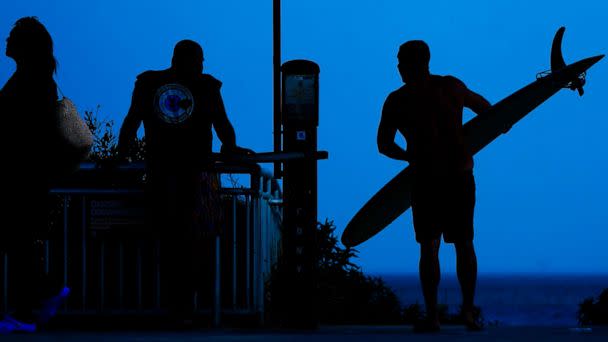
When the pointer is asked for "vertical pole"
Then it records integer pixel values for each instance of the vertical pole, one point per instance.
(102, 274)
(217, 290)
(276, 73)
(248, 229)
(234, 251)
(256, 252)
(83, 242)
(46, 256)
(66, 203)
(262, 274)
(121, 283)
(5, 282)
(157, 252)
(138, 271)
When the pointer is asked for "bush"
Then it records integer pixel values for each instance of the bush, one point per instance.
(105, 140)
(594, 312)
(345, 295)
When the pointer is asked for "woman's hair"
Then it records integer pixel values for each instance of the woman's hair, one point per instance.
(31, 46)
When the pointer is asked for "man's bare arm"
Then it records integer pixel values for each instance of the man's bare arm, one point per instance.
(386, 139)
(225, 131)
(128, 130)
(223, 127)
(477, 103)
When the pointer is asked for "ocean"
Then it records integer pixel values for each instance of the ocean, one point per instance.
(509, 299)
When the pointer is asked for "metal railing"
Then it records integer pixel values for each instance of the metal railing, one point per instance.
(103, 253)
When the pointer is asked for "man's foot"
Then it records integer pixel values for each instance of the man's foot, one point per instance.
(472, 323)
(10, 325)
(51, 305)
(426, 326)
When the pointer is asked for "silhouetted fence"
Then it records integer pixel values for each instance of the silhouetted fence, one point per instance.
(101, 248)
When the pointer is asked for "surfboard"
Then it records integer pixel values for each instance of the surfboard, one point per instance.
(394, 198)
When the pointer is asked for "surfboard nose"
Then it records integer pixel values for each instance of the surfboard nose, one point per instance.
(574, 70)
(576, 73)
(595, 59)
(585, 64)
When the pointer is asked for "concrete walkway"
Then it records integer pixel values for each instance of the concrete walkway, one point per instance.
(330, 334)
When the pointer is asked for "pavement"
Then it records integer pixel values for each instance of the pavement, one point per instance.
(330, 334)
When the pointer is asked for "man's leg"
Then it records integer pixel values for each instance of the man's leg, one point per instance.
(462, 236)
(184, 266)
(177, 249)
(466, 269)
(161, 218)
(429, 277)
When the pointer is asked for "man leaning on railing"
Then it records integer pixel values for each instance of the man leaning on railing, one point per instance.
(178, 107)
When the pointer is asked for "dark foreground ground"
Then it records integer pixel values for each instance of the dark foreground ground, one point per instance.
(327, 334)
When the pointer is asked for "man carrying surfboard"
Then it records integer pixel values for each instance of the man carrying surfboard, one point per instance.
(427, 111)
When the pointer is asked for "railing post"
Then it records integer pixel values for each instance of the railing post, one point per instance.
(66, 204)
(138, 271)
(248, 228)
(102, 274)
(46, 256)
(5, 282)
(234, 250)
(256, 254)
(121, 281)
(157, 269)
(83, 223)
(217, 292)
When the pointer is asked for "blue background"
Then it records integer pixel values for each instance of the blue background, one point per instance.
(542, 189)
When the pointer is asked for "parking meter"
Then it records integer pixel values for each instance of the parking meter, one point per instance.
(300, 118)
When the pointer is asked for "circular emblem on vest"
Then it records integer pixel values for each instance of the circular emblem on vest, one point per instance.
(174, 103)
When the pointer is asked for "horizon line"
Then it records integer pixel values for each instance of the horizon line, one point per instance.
(508, 273)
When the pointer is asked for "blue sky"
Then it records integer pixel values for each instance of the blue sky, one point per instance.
(541, 190)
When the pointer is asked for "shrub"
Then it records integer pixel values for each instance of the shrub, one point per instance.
(105, 140)
(594, 311)
(344, 294)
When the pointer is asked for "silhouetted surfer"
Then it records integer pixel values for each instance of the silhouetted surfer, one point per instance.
(28, 102)
(427, 111)
(178, 107)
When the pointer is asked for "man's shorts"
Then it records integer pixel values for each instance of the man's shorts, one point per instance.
(444, 205)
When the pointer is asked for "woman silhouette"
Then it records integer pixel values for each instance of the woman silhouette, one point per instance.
(27, 107)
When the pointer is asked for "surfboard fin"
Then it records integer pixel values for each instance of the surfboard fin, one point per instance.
(558, 63)
(557, 58)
